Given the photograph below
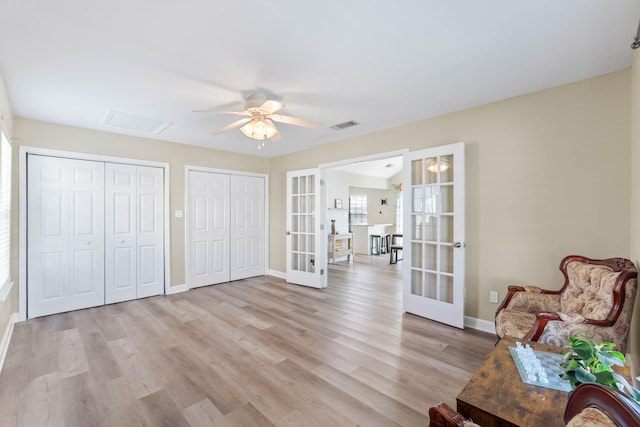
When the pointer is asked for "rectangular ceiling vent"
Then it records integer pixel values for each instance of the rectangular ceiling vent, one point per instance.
(344, 125)
(131, 122)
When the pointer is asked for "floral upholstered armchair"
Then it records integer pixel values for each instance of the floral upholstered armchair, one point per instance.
(597, 299)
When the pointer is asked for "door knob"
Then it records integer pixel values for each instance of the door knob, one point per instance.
(458, 245)
(288, 233)
(89, 242)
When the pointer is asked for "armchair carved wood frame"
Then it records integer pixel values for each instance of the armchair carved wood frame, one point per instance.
(627, 272)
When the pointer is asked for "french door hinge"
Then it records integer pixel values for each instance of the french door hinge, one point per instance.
(322, 271)
(322, 182)
(321, 226)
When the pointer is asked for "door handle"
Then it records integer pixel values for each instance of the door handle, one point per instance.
(89, 242)
(459, 245)
(288, 233)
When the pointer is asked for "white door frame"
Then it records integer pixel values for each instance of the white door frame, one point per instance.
(324, 214)
(22, 211)
(187, 169)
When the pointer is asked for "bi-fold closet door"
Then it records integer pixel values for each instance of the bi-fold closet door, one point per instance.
(134, 237)
(226, 234)
(94, 233)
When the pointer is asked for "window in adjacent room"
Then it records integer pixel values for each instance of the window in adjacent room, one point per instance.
(5, 214)
(357, 210)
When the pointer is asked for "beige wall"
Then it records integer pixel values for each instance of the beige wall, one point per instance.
(47, 135)
(635, 199)
(548, 174)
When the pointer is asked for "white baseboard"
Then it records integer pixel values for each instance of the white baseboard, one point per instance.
(278, 274)
(479, 324)
(176, 289)
(6, 338)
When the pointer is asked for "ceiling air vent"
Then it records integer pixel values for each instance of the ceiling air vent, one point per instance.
(131, 122)
(344, 125)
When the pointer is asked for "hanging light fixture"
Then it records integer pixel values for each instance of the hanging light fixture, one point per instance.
(259, 129)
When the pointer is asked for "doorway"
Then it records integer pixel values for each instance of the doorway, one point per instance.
(364, 199)
(433, 274)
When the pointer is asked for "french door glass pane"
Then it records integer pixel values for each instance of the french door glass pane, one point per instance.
(416, 282)
(431, 285)
(446, 169)
(446, 289)
(417, 172)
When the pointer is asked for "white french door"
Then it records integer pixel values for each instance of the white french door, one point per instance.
(433, 274)
(247, 227)
(304, 249)
(208, 228)
(65, 239)
(134, 240)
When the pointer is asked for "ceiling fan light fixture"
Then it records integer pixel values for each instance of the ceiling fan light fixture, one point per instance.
(259, 129)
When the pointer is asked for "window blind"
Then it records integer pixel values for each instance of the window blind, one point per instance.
(5, 210)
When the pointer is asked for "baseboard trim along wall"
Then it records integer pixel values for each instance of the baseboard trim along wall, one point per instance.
(479, 324)
(176, 289)
(279, 274)
(6, 338)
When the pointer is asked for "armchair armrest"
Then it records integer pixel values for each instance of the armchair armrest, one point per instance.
(541, 322)
(531, 299)
(619, 407)
(443, 415)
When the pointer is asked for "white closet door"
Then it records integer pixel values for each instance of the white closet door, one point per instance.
(208, 228)
(120, 232)
(247, 227)
(65, 227)
(150, 219)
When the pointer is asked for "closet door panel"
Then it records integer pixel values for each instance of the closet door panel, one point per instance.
(120, 232)
(208, 228)
(247, 227)
(150, 252)
(65, 234)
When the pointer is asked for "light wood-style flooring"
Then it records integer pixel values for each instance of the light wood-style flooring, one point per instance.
(256, 352)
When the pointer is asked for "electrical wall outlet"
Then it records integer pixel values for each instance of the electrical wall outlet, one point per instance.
(493, 297)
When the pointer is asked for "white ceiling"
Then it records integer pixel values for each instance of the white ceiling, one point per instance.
(379, 63)
(382, 168)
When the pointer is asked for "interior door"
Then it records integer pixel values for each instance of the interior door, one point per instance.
(65, 234)
(247, 227)
(150, 231)
(120, 232)
(433, 275)
(208, 228)
(304, 252)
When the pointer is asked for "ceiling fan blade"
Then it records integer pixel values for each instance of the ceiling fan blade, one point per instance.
(237, 113)
(235, 124)
(295, 121)
(271, 106)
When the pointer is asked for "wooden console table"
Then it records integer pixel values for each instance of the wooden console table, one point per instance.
(496, 396)
(340, 245)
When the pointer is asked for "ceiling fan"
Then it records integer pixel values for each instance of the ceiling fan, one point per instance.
(260, 113)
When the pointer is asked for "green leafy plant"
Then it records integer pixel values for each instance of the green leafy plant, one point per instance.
(588, 361)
